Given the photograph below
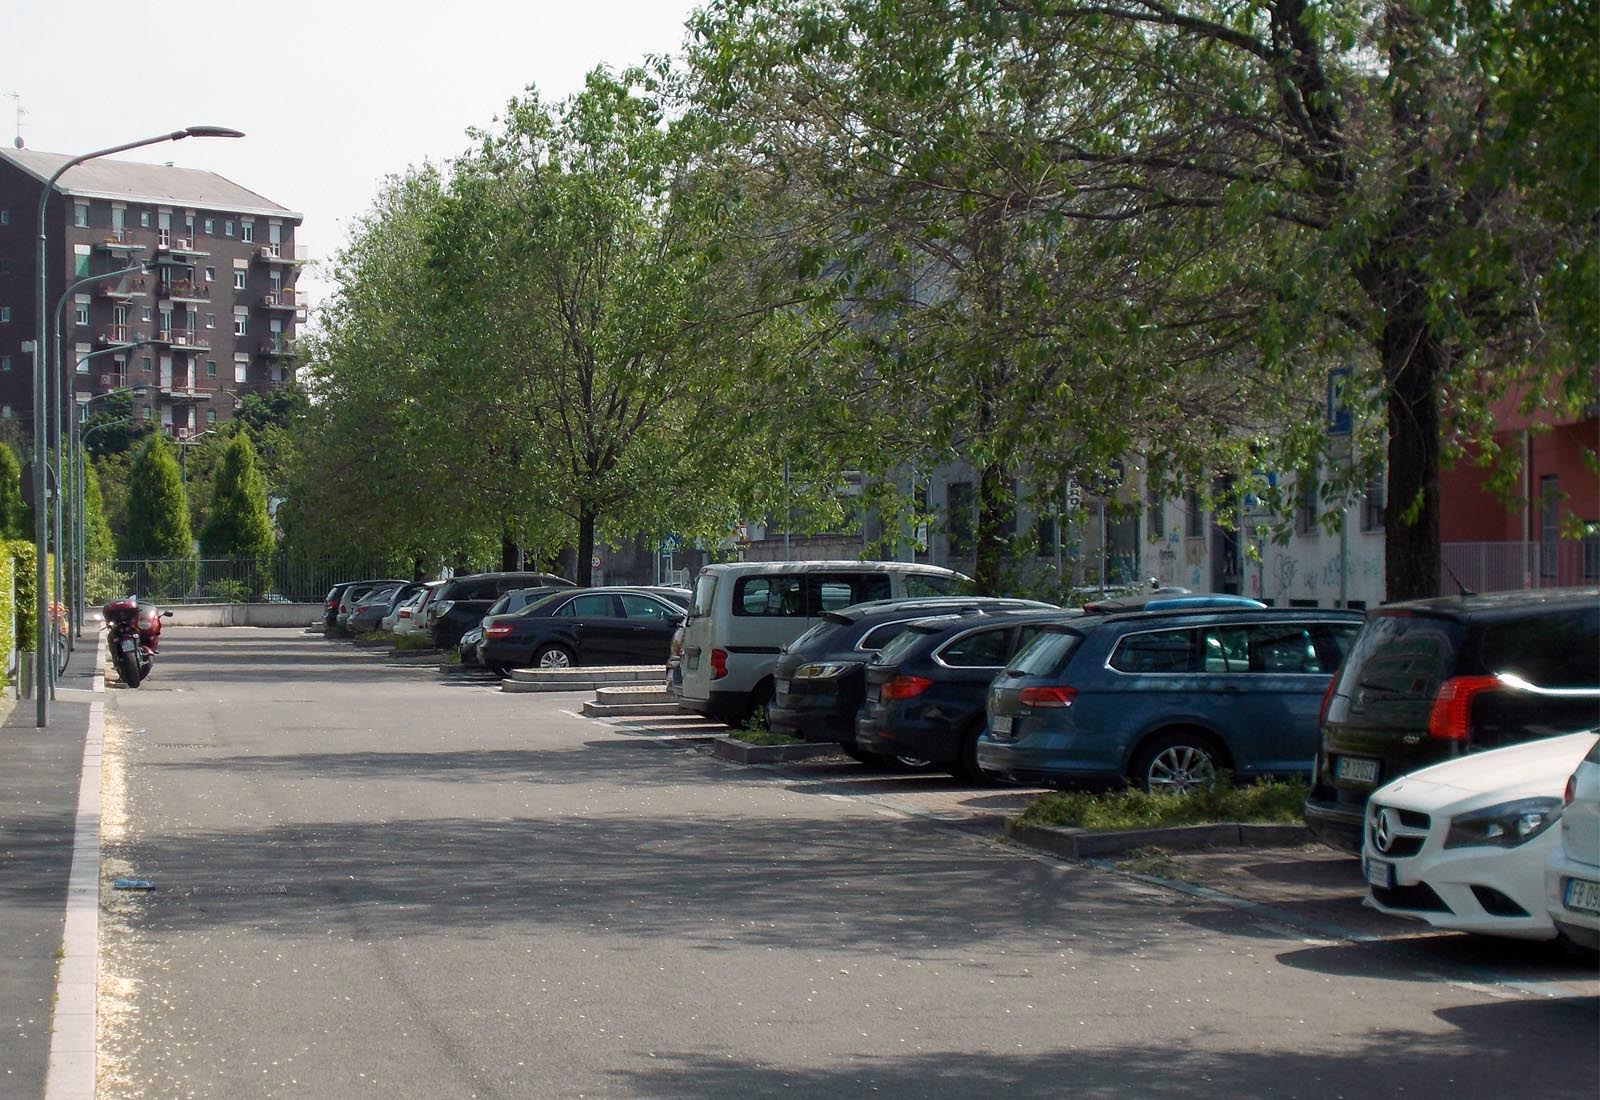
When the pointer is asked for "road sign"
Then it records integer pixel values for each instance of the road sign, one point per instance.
(1340, 417)
(1074, 496)
(671, 544)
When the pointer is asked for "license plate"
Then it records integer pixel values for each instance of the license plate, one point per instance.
(1000, 723)
(127, 645)
(1583, 895)
(1356, 769)
(1379, 873)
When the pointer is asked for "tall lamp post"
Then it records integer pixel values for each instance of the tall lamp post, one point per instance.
(41, 525)
(75, 480)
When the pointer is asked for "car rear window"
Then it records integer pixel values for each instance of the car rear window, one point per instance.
(1046, 655)
(1552, 649)
(880, 636)
(705, 587)
(925, 584)
(979, 649)
(895, 649)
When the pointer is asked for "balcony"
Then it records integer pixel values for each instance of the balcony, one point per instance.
(182, 391)
(182, 338)
(286, 298)
(177, 246)
(122, 289)
(275, 254)
(278, 345)
(184, 290)
(116, 334)
(119, 240)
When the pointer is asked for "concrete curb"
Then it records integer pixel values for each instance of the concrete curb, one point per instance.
(1083, 844)
(741, 752)
(73, 1029)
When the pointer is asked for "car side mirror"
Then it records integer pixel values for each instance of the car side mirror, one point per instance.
(166, 614)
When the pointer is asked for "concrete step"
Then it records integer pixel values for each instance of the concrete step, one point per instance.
(642, 693)
(580, 679)
(594, 709)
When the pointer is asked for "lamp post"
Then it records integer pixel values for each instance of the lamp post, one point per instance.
(64, 483)
(41, 532)
(76, 481)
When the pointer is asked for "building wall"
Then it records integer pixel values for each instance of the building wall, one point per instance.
(200, 369)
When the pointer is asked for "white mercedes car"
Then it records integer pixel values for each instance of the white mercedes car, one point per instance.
(1463, 844)
(1572, 875)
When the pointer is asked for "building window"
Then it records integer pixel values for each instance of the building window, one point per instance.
(80, 215)
(149, 412)
(211, 320)
(144, 364)
(211, 416)
(247, 231)
(211, 368)
(5, 362)
(81, 357)
(82, 314)
(146, 312)
(5, 266)
(1549, 525)
(1305, 503)
(5, 217)
(1194, 516)
(80, 265)
(227, 229)
(241, 324)
(238, 280)
(1155, 513)
(211, 274)
(958, 506)
(1372, 503)
(144, 218)
(5, 315)
(5, 412)
(241, 367)
(211, 227)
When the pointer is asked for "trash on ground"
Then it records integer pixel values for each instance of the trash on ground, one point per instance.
(133, 884)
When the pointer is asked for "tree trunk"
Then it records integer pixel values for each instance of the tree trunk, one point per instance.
(997, 512)
(508, 554)
(585, 573)
(1412, 364)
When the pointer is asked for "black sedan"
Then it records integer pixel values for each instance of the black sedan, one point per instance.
(590, 626)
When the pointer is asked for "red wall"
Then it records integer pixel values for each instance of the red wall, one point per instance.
(1471, 513)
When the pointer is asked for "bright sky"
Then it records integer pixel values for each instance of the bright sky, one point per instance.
(332, 95)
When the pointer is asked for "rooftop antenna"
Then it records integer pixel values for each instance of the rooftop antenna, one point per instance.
(16, 100)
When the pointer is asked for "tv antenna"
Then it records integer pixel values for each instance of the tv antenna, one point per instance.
(16, 101)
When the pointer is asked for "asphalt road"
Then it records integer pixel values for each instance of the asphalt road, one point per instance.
(372, 881)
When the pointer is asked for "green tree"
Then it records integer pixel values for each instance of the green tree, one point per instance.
(238, 524)
(98, 543)
(16, 518)
(1135, 225)
(158, 516)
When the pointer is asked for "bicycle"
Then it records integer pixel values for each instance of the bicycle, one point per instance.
(60, 638)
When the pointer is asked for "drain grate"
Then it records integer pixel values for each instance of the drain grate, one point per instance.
(182, 745)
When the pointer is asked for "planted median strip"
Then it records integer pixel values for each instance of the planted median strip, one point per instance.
(1080, 824)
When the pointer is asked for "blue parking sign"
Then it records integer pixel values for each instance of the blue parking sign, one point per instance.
(1340, 417)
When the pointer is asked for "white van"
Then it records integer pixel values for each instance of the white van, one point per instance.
(743, 613)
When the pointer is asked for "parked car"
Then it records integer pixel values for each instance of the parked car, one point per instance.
(1165, 699)
(591, 626)
(367, 613)
(1572, 873)
(461, 602)
(471, 645)
(1167, 599)
(1463, 844)
(1427, 680)
(354, 592)
(403, 619)
(744, 612)
(926, 691)
(819, 680)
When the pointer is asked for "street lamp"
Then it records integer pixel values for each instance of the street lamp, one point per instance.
(77, 480)
(41, 527)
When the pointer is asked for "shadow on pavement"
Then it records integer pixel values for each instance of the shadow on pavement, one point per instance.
(1428, 953)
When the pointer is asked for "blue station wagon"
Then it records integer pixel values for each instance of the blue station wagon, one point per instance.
(1165, 699)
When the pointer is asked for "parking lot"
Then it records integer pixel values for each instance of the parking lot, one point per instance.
(378, 880)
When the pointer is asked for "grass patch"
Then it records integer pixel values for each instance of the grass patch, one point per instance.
(1152, 861)
(406, 642)
(754, 736)
(452, 656)
(1273, 802)
(373, 636)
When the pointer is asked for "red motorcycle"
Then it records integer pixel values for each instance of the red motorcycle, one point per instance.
(135, 633)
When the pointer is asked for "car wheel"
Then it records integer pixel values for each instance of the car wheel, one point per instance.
(500, 670)
(911, 763)
(553, 656)
(1176, 762)
(870, 759)
(967, 767)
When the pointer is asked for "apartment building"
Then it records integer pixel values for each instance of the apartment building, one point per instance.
(216, 302)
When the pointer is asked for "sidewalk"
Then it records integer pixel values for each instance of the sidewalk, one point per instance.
(39, 787)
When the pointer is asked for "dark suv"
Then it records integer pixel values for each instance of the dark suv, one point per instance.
(461, 602)
(1432, 679)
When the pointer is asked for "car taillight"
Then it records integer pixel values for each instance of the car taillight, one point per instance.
(905, 687)
(1327, 701)
(1451, 716)
(498, 630)
(1047, 696)
(1572, 790)
(403, 613)
(719, 663)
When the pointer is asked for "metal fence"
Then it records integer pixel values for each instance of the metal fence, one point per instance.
(279, 578)
(1506, 566)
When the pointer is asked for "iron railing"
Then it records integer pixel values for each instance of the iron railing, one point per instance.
(1507, 566)
(279, 577)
